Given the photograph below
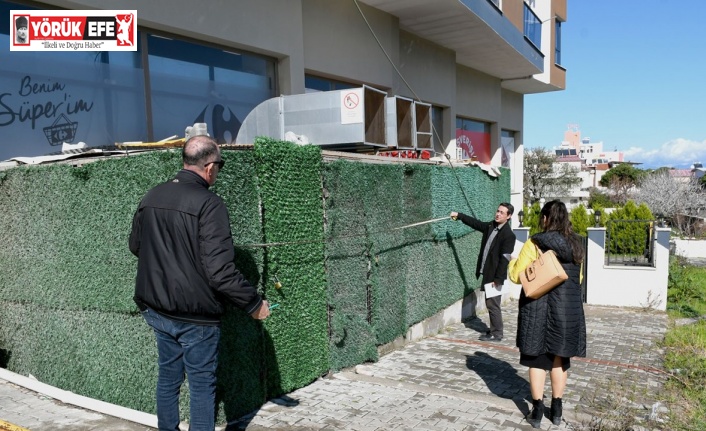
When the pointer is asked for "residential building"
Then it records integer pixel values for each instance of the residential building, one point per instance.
(471, 61)
(591, 152)
(683, 175)
(588, 159)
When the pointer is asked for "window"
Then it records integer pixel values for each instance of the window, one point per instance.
(100, 98)
(473, 138)
(565, 152)
(507, 140)
(557, 46)
(437, 122)
(496, 3)
(533, 27)
(52, 98)
(193, 83)
(314, 83)
(508, 160)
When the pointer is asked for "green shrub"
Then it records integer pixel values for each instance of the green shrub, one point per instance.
(629, 229)
(532, 218)
(580, 220)
(598, 199)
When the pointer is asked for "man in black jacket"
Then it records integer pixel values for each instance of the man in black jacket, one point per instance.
(498, 239)
(181, 236)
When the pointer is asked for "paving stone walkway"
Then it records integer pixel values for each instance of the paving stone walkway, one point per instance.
(448, 382)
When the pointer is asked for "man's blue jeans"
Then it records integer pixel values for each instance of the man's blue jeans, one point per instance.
(185, 347)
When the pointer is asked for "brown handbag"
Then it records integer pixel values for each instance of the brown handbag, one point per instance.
(542, 275)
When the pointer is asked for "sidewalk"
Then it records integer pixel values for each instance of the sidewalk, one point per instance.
(448, 382)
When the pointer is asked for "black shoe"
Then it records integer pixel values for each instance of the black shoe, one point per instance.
(488, 337)
(534, 418)
(555, 412)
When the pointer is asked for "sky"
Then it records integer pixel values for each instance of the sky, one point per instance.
(635, 80)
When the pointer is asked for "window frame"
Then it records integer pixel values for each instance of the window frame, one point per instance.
(532, 27)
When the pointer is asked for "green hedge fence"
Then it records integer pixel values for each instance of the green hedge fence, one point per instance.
(350, 282)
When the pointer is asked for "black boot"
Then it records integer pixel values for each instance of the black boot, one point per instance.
(535, 416)
(555, 412)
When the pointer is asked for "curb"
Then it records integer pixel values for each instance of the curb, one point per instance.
(73, 399)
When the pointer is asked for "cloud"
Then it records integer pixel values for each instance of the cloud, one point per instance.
(678, 153)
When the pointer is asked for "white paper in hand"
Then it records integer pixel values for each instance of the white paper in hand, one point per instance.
(492, 291)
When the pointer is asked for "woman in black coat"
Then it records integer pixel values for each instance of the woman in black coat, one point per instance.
(552, 328)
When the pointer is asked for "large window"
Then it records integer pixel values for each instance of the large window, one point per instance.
(198, 84)
(473, 140)
(533, 27)
(101, 98)
(48, 98)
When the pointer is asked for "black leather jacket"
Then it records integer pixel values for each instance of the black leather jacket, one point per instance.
(181, 236)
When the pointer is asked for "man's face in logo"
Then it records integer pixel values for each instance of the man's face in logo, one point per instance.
(22, 33)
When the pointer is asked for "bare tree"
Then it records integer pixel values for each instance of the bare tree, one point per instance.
(544, 178)
(672, 198)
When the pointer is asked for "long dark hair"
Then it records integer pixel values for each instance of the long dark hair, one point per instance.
(555, 217)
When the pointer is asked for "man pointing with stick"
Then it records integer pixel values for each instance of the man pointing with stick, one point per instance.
(498, 239)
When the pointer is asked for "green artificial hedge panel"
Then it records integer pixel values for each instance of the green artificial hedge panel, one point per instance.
(352, 339)
(445, 259)
(472, 191)
(241, 385)
(102, 355)
(382, 199)
(289, 180)
(67, 249)
(424, 293)
(65, 237)
(469, 190)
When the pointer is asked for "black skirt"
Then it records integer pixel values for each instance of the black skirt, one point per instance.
(544, 362)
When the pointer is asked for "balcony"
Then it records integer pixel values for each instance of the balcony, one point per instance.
(481, 36)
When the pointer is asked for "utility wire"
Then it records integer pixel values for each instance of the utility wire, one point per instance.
(436, 133)
(396, 70)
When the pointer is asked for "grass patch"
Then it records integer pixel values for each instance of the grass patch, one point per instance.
(686, 296)
(685, 347)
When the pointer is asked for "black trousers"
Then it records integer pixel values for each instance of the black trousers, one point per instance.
(496, 315)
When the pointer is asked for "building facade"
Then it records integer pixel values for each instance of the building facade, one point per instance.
(471, 61)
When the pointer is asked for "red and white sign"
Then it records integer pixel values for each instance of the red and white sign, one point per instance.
(73, 30)
(474, 145)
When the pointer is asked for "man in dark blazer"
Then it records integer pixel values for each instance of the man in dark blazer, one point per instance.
(498, 239)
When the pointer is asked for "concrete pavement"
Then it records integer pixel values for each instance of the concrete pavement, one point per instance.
(450, 381)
